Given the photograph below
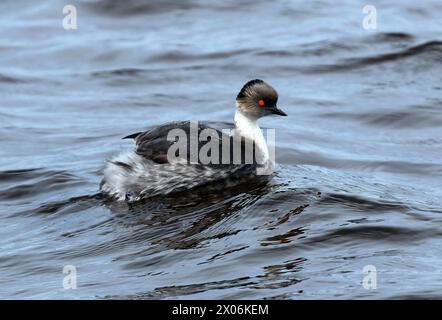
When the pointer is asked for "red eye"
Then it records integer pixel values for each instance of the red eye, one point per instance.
(261, 102)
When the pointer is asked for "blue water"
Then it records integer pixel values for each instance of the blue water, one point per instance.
(359, 158)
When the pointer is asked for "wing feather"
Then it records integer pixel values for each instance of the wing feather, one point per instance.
(153, 144)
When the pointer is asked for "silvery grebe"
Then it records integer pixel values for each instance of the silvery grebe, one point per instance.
(150, 170)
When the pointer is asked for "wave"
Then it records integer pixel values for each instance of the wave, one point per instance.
(405, 118)
(175, 56)
(374, 233)
(9, 79)
(429, 52)
(134, 7)
(21, 184)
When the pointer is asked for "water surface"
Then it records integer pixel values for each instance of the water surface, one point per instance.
(359, 157)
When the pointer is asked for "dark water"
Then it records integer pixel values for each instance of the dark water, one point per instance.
(359, 157)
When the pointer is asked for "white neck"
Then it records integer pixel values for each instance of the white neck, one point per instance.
(248, 128)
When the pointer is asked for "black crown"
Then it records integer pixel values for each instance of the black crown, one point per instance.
(249, 84)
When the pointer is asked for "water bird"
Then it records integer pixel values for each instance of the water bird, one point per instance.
(202, 156)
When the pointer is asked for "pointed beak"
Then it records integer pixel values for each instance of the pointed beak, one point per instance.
(279, 112)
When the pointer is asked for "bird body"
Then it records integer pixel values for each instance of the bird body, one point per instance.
(182, 155)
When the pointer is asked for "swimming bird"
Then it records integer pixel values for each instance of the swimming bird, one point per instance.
(183, 155)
